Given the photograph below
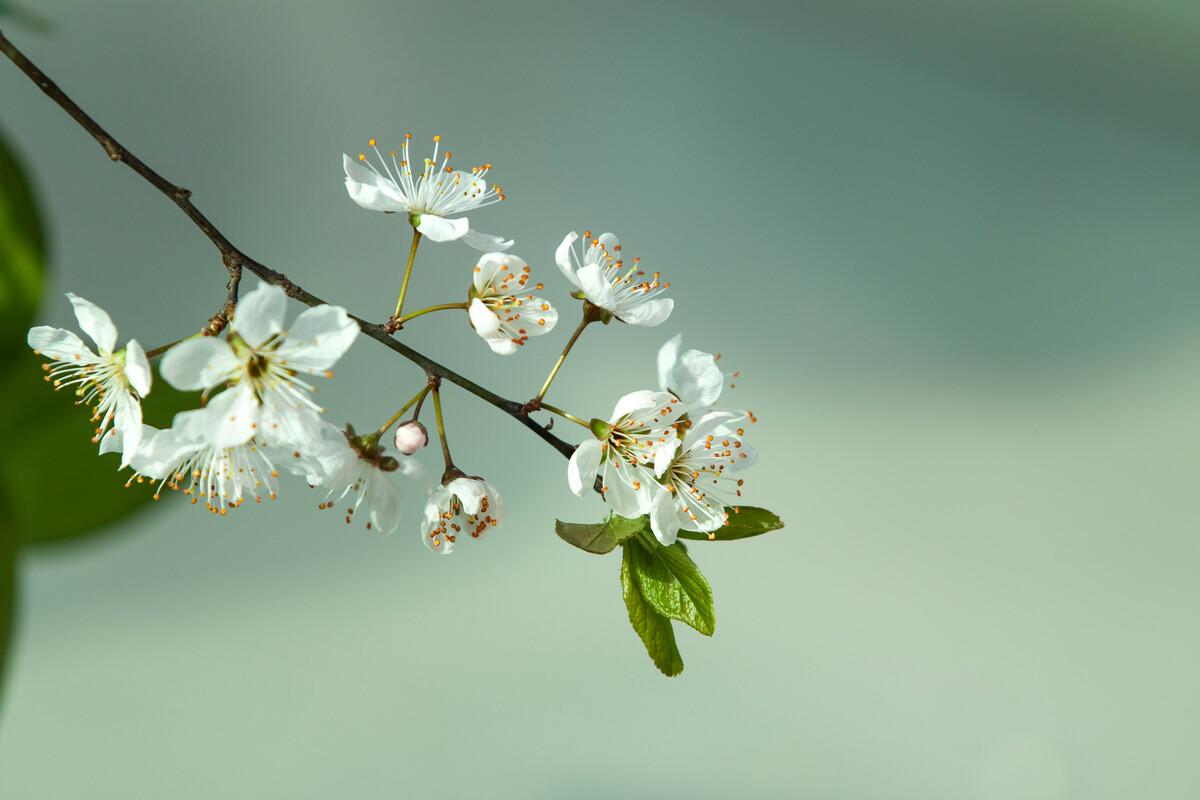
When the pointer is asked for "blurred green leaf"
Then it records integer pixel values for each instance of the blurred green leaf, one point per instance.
(22, 254)
(27, 17)
(654, 629)
(744, 522)
(601, 537)
(673, 585)
(56, 485)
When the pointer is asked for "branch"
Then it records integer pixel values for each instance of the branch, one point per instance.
(235, 260)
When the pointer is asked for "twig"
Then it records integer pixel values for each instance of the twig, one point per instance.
(235, 260)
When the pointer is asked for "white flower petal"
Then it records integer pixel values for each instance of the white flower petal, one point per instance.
(640, 401)
(502, 345)
(583, 466)
(483, 319)
(383, 500)
(647, 313)
(95, 322)
(469, 491)
(259, 314)
(664, 518)
(199, 363)
(129, 422)
(664, 452)
(317, 339)
(596, 286)
(668, 358)
(627, 489)
(697, 379)
(486, 241)
(564, 258)
(485, 270)
(232, 416)
(371, 190)
(440, 229)
(59, 344)
(137, 368)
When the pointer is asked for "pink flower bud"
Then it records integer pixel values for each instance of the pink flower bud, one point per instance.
(411, 437)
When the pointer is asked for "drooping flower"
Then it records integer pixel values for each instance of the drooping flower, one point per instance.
(431, 198)
(115, 380)
(601, 274)
(261, 362)
(630, 450)
(357, 472)
(461, 506)
(183, 457)
(697, 482)
(502, 311)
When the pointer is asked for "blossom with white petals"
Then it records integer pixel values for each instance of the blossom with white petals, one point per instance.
(115, 379)
(502, 312)
(630, 450)
(261, 362)
(599, 272)
(693, 376)
(696, 483)
(470, 505)
(184, 457)
(437, 193)
(352, 469)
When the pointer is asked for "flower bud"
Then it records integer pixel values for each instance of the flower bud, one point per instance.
(411, 437)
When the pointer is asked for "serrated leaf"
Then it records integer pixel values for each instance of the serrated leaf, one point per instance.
(22, 254)
(56, 486)
(654, 629)
(600, 537)
(744, 522)
(673, 584)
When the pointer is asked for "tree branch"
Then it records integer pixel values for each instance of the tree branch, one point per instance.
(235, 260)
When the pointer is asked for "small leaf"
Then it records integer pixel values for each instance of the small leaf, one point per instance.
(22, 254)
(653, 628)
(673, 584)
(57, 487)
(601, 537)
(744, 522)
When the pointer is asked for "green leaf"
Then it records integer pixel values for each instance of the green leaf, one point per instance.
(56, 486)
(744, 522)
(22, 254)
(601, 537)
(673, 585)
(653, 628)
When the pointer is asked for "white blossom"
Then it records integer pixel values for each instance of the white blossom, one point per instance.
(115, 380)
(433, 199)
(362, 478)
(503, 311)
(600, 273)
(469, 506)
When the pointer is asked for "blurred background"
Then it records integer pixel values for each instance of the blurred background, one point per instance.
(952, 247)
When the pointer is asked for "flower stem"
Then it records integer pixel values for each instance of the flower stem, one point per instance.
(565, 414)
(441, 426)
(583, 323)
(412, 255)
(158, 351)
(416, 398)
(398, 322)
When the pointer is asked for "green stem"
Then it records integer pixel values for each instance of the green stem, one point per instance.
(412, 256)
(398, 322)
(158, 351)
(441, 427)
(416, 398)
(565, 415)
(583, 323)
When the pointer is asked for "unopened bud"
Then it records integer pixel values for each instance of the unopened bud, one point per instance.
(411, 437)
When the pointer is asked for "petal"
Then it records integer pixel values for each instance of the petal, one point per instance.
(565, 259)
(502, 345)
(199, 363)
(486, 241)
(597, 288)
(642, 400)
(664, 453)
(371, 190)
(259, 314)
(95, 322)
(483, 319)
(627, 489)
(59, 344)
(535, 315)
(282, 424)
(485, 271)
(647, 313)
(129, 423)
(711, 423)
(583, 466)
(232, 417)
(440, 229)
(469, 491)
(137, 368)
(611, 244)
(664, 518)
(317, 339)
(383, 502)
(668, 357)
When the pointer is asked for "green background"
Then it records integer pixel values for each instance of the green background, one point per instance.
(952, 248)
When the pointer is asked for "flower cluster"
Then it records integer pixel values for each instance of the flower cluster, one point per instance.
(668, 453)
